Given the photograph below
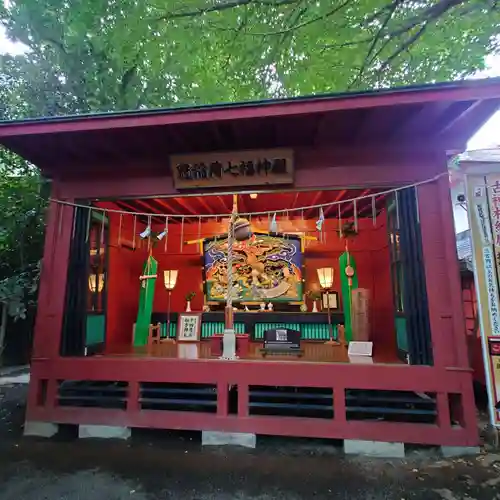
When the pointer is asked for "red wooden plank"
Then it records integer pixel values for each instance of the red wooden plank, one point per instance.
(339, 404)
(243, 400)
(435, 264)
(456, 334)
(279, 426)
(52, 294)
(222, 399)
(212, 371)
(318, 168)
(472, 90)
(133, 396)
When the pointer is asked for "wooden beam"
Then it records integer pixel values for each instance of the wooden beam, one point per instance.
(456, 91)
(166, 206)
(242, 208)
(167, 209)
(123, 205)
(473, 108)
(424, 116)
(315, 200)
(216, 133)
(201, 199)
(378, 199)
(183, 204)
(148, 208)
(363, 193)
(178, 138)
(373, 120)
(339, 196)
(223, 204)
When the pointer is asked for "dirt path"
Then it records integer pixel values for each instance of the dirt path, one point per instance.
(161, 465)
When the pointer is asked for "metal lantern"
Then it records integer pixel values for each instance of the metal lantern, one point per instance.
(325, 276)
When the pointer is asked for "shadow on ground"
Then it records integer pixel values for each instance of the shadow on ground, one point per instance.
(162, 465)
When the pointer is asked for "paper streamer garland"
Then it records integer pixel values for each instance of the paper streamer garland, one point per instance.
(262, 213)
(273, 226)
(321, 220)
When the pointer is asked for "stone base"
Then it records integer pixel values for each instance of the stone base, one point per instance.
(459, 451)
(40, 429)
(215, 438)
(103, 432)
(374, 448)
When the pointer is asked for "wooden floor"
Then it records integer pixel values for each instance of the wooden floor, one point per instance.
(313, 352)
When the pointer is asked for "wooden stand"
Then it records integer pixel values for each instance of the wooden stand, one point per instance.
(229, 317)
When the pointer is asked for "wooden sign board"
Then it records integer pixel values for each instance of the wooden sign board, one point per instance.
(360, 348)
(189, 327)
(243, 168)
(361, 314)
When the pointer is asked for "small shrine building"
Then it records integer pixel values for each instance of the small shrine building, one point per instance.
(318, 229)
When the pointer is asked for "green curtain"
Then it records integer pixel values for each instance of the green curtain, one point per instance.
(146, 299)
(344, 261)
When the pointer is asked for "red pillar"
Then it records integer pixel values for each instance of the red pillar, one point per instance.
(52, 294)
(445, 303)
(51, 301)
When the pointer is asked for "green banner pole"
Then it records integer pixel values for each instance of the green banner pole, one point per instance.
(346, 260)
(146, 299)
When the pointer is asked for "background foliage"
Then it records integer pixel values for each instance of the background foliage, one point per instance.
(21, 232)
(97, 55)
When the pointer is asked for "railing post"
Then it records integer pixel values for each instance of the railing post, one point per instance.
(222, 399)
(133, 396)
(243, 400)
(339, 406)
(443, 411)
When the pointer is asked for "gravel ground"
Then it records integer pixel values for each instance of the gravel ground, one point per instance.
(161, 465)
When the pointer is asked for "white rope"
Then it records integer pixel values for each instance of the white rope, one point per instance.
(253, 214)
(230, 239)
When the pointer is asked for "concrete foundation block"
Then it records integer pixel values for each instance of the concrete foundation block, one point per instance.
(379, 449)
(40, 429)
(215, 438)
(103, 432)
(459, 451)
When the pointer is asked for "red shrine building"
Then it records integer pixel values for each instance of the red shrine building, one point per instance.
(350, 261)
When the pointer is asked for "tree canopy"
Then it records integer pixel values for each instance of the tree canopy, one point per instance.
(125, 54)
(21, 232)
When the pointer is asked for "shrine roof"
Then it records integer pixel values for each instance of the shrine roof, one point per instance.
(444, 114)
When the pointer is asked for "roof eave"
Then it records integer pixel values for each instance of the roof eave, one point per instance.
(455, 91)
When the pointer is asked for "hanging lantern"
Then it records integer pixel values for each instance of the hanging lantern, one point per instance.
(241, 229)
(325, 276)
(170, 278)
